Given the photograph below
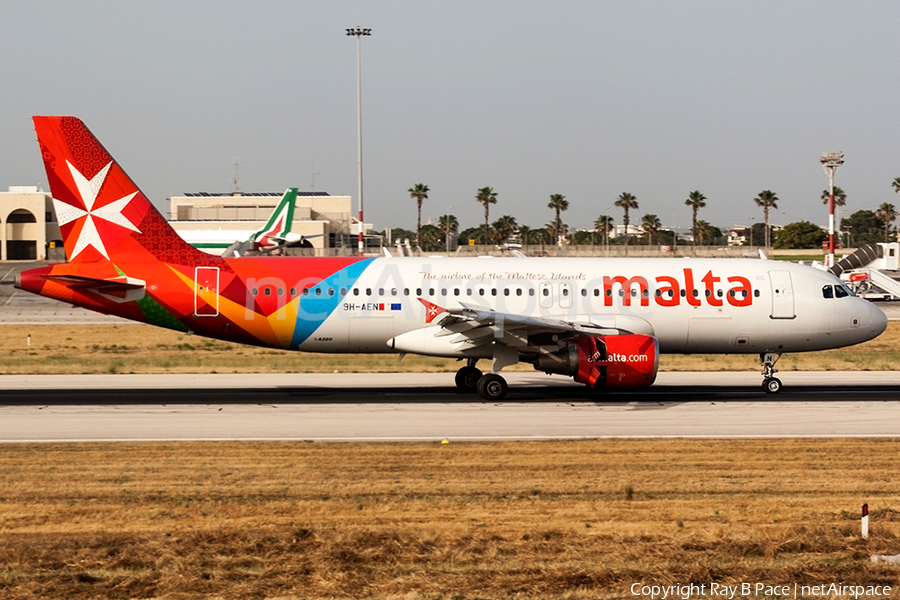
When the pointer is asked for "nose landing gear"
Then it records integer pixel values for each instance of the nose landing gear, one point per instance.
(771, 384)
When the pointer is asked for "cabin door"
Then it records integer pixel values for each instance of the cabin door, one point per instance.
(206, 291)
(782, 295)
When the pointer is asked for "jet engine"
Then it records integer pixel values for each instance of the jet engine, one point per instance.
(613, 361)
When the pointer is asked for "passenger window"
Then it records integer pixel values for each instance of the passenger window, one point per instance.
(293, 292)
(756, 293)
(331, 291)
(356, 291)
(281, 291)
(565, 291)
(267, 291)
(481, 292)
(255, 291)
(393, 291)
(318, 291)
(518, 291)
(546, 292)
(531, 292)
(596, 291)
(443, 291)
(456, 291)
(494, 292)
(368, 291)
(506, 291)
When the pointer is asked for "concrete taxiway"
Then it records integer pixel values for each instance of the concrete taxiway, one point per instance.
(425, 407)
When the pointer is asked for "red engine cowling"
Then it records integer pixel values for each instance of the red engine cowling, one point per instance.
(615, 361)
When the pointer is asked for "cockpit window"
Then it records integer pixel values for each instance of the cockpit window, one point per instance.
(828, 291)
(841, 292)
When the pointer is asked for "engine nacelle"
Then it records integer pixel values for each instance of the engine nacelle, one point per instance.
(613, 361)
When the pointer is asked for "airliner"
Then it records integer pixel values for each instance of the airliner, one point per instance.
(273, 237)
(602, 321)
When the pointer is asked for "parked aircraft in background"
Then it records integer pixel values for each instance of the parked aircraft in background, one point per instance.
(602, 321)
(273, 237)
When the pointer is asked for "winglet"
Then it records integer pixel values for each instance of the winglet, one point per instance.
(432, 310)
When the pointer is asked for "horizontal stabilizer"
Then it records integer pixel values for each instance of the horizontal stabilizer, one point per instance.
(118, 289)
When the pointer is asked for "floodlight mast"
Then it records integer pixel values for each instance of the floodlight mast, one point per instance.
(359, 32)
(830, 162)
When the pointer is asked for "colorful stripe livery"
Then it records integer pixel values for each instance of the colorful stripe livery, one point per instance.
(126, 260)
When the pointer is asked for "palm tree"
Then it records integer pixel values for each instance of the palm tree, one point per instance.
(696, 201)
(524, 232)
(840, 197)
(558, 203)
(887, 214)
(504, 227)
(650, 224)
(626, 202)
(766, 199)
(431, 238)
(418, 193)
(604, 225)
(896, 184)
(448, 224)
(704, 230)
(557, 231)
(486, 196)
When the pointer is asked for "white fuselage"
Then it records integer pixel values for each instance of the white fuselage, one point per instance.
(689, 305)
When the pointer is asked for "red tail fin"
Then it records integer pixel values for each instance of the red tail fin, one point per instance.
(101, 212)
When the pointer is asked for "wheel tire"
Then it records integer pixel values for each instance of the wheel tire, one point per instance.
(772, 385)
(467, 380)
(492, 387)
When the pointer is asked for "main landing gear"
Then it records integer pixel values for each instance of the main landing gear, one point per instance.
(489, 386)
(771, 384)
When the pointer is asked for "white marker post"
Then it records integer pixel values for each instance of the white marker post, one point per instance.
(865, 522)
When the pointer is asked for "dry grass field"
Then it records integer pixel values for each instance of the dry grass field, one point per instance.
(144, 349)
(558, 520)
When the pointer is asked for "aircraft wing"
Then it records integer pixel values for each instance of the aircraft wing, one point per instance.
(476, 332)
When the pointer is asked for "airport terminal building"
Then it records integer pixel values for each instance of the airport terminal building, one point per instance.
(28, 226)
(326, 220)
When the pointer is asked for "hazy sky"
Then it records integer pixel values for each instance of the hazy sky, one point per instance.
(585, 99)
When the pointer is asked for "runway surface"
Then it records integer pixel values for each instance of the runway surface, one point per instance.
(426, 407)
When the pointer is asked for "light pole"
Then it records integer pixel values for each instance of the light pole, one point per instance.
(830, 161)
(358, 33)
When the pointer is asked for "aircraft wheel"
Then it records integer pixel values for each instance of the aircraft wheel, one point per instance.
(492, 387)
(772, 385)
(467, 379)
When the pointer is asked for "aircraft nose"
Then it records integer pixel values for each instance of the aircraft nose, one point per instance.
(877, 319)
